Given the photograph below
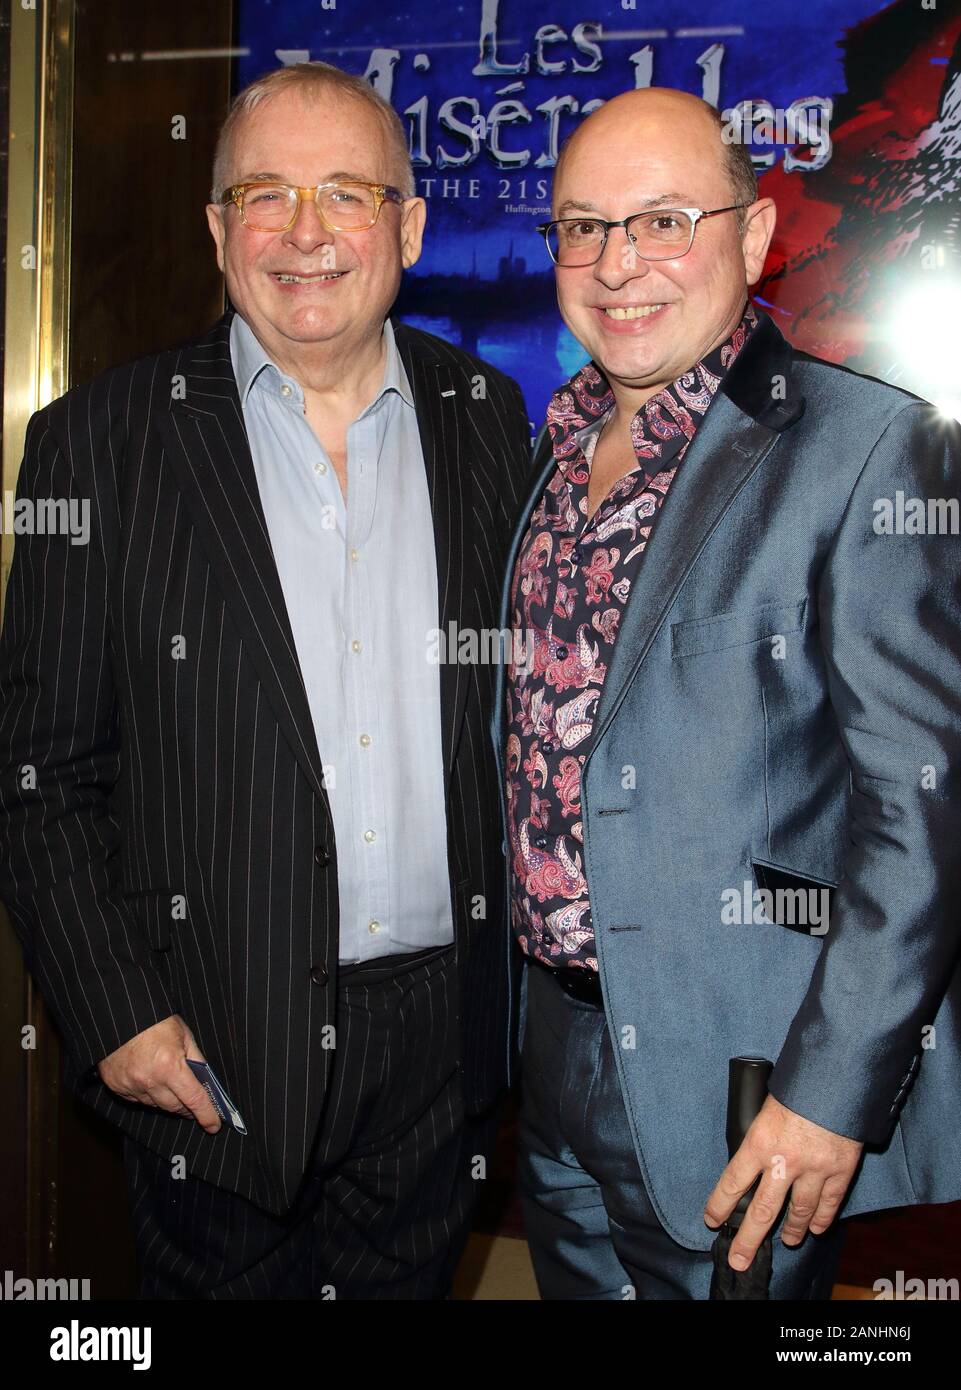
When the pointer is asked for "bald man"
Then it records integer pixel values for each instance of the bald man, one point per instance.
(730, 766)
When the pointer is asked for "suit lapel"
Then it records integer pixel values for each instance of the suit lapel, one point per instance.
(209, 453)
(753, 405)
(444, 429)
(542, 466)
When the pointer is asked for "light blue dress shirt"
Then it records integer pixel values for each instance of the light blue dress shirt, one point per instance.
(360, 584)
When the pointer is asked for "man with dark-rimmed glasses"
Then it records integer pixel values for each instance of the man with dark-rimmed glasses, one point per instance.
(720, 840)
(264, 833)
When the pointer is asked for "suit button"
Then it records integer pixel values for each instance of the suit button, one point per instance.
(319, 975)
(321, 856)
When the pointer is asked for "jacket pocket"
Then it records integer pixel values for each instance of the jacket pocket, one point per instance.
(800, 902)
(698, 635)
(152, 909)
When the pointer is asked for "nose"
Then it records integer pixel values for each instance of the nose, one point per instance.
(308, 230)
(619, 262)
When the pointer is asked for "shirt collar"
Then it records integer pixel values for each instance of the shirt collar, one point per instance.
(253, 366)
(577, 411)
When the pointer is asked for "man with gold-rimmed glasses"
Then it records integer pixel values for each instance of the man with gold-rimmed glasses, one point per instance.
(350, 205)
(720, 845)
(265, 833)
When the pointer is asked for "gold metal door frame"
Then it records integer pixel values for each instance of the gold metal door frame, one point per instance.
(38, 220)
(36, 370)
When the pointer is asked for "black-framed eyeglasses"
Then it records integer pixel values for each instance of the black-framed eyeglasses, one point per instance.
(662, 234)
(347, 206)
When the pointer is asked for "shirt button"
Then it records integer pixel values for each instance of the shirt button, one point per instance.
(286, 390)
(562, 653)
(355, 555)
(355, 645)
(373, 928)
(540, 841)
(369, 836)
(320, 468)
(576, 555)
(365, 740)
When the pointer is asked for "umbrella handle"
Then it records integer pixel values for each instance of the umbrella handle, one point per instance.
(747, 1079)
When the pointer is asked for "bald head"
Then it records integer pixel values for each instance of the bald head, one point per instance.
(658, 114)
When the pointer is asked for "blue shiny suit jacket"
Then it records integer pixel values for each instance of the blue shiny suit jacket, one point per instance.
(832, 756)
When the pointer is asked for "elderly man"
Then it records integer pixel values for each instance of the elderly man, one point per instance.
(744, 700)
(263, 830)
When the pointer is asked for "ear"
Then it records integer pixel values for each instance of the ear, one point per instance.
(413, 216)
(215, 221)
(759, 223)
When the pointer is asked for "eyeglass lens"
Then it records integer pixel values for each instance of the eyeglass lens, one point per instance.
(344, 206)
(653, 235)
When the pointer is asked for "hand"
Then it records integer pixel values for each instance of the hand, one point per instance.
(152, 1069)
(791, 1152)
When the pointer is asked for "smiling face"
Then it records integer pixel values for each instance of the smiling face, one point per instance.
(647, 322)
(308, 290)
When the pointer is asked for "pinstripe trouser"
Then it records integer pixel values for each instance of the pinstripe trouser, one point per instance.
(385, 1206)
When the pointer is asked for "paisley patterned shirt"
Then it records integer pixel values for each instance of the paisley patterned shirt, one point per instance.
(570, 586)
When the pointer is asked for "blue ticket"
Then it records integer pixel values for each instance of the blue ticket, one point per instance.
(222, 1103)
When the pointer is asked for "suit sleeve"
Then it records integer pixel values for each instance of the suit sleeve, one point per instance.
(59, 765)
(890, 612)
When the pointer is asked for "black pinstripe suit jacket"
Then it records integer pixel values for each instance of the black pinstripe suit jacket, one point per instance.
(166, 843)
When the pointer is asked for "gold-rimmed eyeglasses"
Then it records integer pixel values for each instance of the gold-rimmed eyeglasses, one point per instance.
(349, 205)
(662, 234)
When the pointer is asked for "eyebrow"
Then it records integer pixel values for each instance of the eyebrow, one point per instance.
(335, 177)
(665, 200)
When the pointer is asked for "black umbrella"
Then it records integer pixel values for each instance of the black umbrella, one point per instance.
(746, 1089)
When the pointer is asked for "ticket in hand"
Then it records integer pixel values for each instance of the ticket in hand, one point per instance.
(222, 1103)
